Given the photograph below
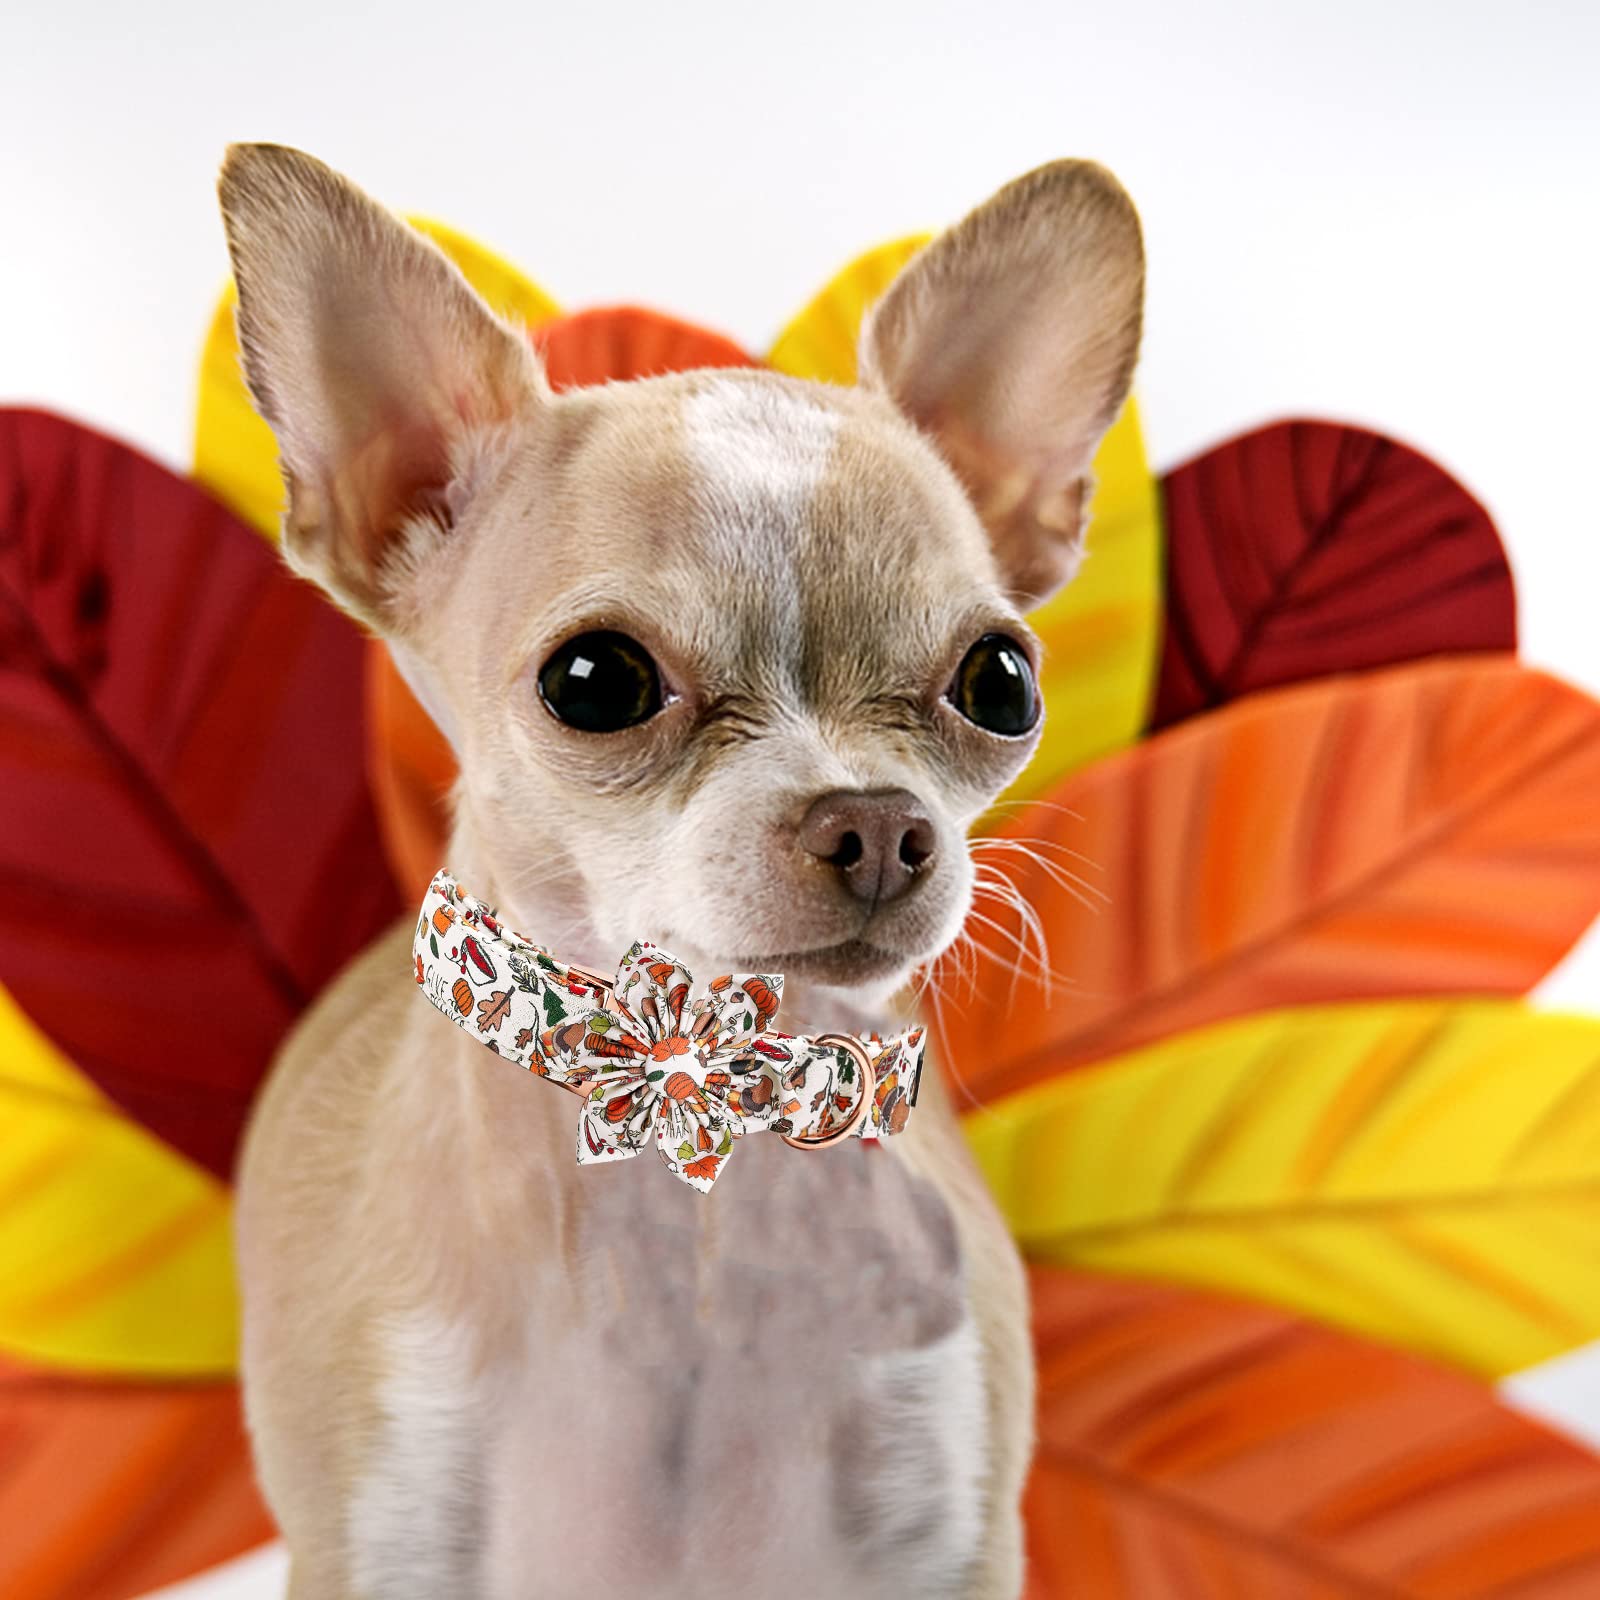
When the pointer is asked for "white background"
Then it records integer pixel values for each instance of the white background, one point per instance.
(1385, 213)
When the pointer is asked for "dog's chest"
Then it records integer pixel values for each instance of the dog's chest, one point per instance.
(775, 1389)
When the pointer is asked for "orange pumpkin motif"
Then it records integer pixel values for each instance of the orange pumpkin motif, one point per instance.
(461, 992)
(764, 1000)
(680, 1087)
(602, 1044)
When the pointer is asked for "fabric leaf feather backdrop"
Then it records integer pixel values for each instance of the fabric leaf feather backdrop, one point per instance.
(1298, 1170)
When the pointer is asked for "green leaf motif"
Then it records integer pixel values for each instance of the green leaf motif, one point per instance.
(655, 1077)
(727, 1143)
(686, 1151)
(433, 944)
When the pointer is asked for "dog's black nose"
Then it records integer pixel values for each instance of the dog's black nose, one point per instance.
(879, 841)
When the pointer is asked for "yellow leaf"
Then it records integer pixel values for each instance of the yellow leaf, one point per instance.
(115, 1252)
(820, 341)
(235, 456)
(1102, 633)
(1424, 1173)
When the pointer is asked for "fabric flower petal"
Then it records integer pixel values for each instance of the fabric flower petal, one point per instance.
(749, 1092)
(622, 1101)
(740, 1006)
(653, 988)
(599, 1140)
(694, 1144)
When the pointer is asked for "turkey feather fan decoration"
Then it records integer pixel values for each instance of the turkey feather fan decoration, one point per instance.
(1299, 1172)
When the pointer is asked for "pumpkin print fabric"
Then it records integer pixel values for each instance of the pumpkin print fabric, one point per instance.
(653, 1062)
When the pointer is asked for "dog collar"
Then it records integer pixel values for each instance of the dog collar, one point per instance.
(650, 1063)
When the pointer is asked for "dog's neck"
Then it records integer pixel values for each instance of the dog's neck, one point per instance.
(551, 913)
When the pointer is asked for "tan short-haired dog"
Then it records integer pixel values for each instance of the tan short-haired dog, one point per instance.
(730, 662)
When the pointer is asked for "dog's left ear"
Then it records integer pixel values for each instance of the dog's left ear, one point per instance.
(1011, 339)
(382, 373)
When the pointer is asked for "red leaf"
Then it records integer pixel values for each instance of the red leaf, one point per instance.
(186, 835)
(1191, 1446)
(1307, 548)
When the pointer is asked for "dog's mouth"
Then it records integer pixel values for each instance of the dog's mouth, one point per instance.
(851, 962)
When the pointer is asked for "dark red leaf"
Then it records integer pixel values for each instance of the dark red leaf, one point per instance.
(1308, 548)
(186, 835)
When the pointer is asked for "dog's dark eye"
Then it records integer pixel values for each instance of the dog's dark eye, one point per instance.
(601, 682)
(994, 687)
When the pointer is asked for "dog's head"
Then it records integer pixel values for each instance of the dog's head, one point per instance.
(728, 660)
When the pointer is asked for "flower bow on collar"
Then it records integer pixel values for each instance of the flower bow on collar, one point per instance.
(652, 1063)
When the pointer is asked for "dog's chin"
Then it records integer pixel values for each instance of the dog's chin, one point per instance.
(850, 964)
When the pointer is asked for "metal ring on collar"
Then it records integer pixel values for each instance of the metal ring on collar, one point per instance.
(869, 1087)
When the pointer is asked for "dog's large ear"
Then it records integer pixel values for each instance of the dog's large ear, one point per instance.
(380, 370)
(1011, 340)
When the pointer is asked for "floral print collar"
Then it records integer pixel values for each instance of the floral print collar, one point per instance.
(652, 1061)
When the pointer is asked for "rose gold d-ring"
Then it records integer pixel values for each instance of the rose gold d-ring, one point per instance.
(593, 979)
(869, 1087)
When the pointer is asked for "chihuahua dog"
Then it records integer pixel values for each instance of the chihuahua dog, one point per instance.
(731, 662)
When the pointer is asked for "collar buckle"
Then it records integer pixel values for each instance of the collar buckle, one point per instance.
(869, 1087)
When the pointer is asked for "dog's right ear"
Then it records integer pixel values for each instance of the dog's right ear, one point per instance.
(382, 373)
(1010, 340)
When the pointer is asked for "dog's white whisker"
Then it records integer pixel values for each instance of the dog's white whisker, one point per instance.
(1032, 931)
(1032, 925)
(1079, 888)
(1045, 971)
(1034, 843)
(1043, 805)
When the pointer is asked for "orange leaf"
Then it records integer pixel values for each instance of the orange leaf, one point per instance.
(1192, 1446)
(113, 1489)
(1429, 829)
(613, 344)
(494, 1010)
